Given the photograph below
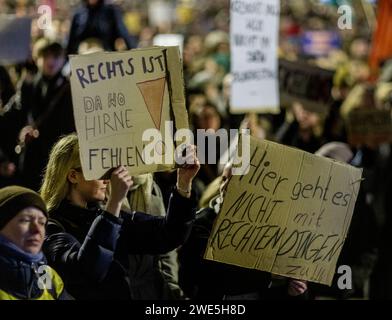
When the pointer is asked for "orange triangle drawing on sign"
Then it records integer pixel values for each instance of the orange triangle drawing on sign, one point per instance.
(153, 92)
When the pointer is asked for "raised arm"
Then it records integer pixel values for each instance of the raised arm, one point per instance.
(146, 234)
(90, 261)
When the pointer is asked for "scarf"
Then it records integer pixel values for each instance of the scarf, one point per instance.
(145, 196)
(11, 249)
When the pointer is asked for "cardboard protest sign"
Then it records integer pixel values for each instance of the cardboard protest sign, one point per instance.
(15, 35)
(369, 127)
(307, 84)
(289, 215)
(123, 103)
(254, 32)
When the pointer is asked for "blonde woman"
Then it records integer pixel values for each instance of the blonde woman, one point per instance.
(88, 245)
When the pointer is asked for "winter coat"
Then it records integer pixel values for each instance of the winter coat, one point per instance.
(103, 22)
(90, 247)
(19, 277)
(47, 105)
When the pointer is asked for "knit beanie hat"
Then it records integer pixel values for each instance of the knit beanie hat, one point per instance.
(13, 199)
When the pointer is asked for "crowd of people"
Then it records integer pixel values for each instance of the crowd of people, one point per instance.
(144, 237)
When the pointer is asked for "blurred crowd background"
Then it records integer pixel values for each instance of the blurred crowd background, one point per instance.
(362, 78)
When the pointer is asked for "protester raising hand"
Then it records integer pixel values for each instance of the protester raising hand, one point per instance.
(90, 246)
(187, 171)
(120, 183)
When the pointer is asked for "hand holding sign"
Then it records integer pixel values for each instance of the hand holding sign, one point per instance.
(188, 171)
(120, 182)
(289, 215)
(127, 107)
(297, 287)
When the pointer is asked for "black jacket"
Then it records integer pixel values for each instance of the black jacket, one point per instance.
(47, 105)
(89, 247)
(289, 134)
(10, 119)
(103, 22)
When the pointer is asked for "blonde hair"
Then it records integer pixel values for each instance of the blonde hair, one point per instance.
(63, 157)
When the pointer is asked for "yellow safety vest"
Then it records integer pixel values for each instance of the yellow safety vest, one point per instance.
(47, 294)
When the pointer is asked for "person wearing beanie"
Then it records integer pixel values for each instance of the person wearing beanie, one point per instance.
(23, 270)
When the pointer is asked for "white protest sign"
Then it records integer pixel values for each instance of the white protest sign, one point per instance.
(254, 33)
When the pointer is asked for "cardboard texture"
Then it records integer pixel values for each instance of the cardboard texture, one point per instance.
(369, 127)
(169, 40)
(116, 97)
(289, 215)
(254, 34)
